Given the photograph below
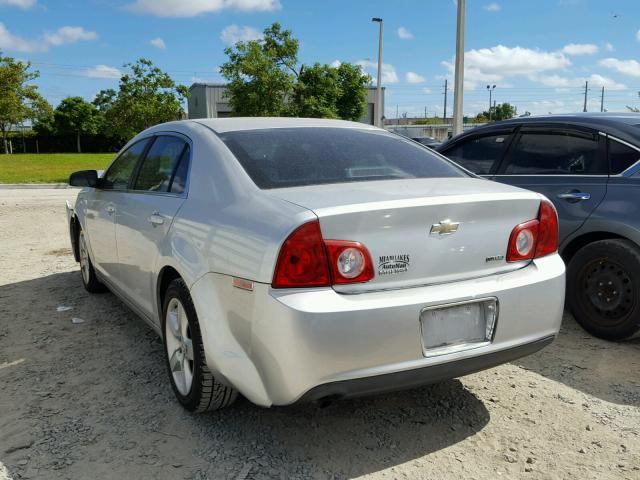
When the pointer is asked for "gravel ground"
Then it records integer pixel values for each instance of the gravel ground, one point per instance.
(92, 399)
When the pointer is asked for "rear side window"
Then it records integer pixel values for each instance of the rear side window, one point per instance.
(621, 156)
(119, 173)
(289, 157)
(179, 182)
(556, 153)
(158, 168)
(479, 154)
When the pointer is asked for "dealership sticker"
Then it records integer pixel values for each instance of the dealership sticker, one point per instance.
(390, 264)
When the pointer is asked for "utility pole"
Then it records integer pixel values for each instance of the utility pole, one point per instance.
(378, 110)
(425, 111)
(602, 100)
(491, 89)
(444, 116)
(586, 89)
(458, 89)
(397, 116)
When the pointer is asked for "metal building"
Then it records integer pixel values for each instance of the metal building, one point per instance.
(208, 100)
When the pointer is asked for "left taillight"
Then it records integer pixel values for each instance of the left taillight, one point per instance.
(307, 260)
(535, 238)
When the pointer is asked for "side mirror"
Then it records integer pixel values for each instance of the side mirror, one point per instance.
(84, 178)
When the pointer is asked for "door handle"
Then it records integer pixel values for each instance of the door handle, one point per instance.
(574, 196)
(156, 219)
(110, 210)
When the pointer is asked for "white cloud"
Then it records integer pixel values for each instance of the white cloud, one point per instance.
(413, 77)
(336, 63)
(68, 35)
(494, 64)
(606, 82)
(232, 34)
(404, 34)
(24, 4)
(580, 49)
(608, 47)
(62, 36)
(638, 35)
(389, 74)
(103, 71)
(158, 43)
(492, 7)
(11, 42)
(427, 90)
(626, 67)
(555, 81)
(192, 8)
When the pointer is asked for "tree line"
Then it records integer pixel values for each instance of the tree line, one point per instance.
(264, 78)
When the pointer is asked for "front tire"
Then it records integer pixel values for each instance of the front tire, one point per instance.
(603, 288)
(194, 385)
(89, 277)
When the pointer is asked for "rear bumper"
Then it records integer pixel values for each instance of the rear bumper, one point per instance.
(279, 346)
(421, 376)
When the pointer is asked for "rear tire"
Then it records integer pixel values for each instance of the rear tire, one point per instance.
(603, 288)
(194, 385)
(87, 272)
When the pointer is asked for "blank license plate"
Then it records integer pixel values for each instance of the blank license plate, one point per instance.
(457, 326)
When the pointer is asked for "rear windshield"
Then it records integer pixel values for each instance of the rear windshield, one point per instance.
(292, 157)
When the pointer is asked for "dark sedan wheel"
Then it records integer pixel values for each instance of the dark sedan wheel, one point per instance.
(193, 384)
(603, 288)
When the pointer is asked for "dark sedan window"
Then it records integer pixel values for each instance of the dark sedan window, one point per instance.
(621, 156)
(556, 153)
(479, 154)
(289, 157)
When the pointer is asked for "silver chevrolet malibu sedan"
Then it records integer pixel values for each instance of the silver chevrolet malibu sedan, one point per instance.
(309, 260)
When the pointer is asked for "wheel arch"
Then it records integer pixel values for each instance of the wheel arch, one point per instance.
(569, 250)
(166, 275)
(74, 232)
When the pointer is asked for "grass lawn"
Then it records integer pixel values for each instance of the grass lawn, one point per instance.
(49, 167)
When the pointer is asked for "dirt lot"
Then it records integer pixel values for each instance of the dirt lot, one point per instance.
(91, 399)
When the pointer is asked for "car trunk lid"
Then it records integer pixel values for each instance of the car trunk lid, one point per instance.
(421, 231)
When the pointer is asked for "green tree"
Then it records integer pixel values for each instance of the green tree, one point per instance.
(19, 100)
(352, 101)
(261, 73)
(316, 92)
(265, 80)
(76, 116)
(502, 111)
(147, 96)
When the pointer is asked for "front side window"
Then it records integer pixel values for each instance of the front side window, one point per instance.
(479, 154)
(556, 153)
(621, 156)
(290, 157)
(119, 173)
(160, 164)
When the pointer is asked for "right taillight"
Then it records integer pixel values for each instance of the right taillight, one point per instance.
(307, 260)
(535, 238)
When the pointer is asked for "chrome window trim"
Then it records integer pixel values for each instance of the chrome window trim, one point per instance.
(632, 169)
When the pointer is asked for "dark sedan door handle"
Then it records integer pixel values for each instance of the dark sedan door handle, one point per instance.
(574, 196)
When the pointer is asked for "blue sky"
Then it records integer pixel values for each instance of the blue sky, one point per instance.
(537, 53)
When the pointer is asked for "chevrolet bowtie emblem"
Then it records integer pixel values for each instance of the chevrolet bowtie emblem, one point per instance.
(444, 227)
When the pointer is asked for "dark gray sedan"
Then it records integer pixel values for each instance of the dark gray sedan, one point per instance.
(588, 165)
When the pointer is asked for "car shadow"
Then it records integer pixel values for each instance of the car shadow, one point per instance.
(103, 378)
(606, 370)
